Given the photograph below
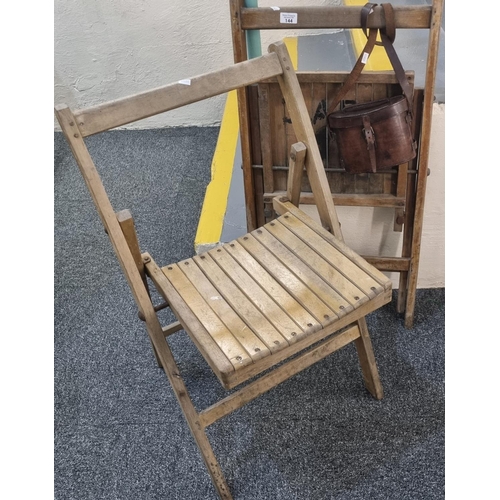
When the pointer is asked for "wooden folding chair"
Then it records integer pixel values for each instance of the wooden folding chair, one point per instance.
(290, 292)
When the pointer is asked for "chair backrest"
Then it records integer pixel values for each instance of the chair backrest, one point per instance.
(83, 123)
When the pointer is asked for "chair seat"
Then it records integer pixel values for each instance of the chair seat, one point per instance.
(254, 301)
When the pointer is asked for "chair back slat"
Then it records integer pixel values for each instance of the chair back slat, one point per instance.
(145, 104)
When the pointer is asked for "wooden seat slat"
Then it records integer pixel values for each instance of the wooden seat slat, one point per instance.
(273, 288)
(323, 291)
(255, 348)
(351, 272)
(233, 350)
(302, 293)
(248, 312)
(319, 264)
(283, 321)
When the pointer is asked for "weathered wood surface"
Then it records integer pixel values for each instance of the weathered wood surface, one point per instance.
(417, 16)
(145, 104)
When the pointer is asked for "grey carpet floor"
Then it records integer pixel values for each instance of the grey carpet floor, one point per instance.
(119, 433)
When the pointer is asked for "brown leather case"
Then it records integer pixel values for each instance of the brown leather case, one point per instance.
(374, 135)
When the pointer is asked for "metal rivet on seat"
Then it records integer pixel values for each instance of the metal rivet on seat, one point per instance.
(257, 349)
(373, 288)
(326, 316)
(186, 263)
(277, 342)
(231, 244)
(309, 324)
(272, 223)
(293, 334)
(356, 298)
(342, 307)
(238, 358)
(245, 237)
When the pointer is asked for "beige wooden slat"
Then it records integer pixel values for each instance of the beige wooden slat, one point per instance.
(247, 311)
(295, 172)
(284, 206)
(277, 316)
(212, 323)
(304, 132)
(145, 104)
(304, 319)
(265, 129)
(212, 353)
(252, 344)
(341, 262)
(301, 292)
(328, 17)
(319, 263)
(321, 289)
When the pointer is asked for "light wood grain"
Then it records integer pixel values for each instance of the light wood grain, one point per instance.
(245, 308)
(306, 321)
(255, 348)
(319, 17)
(305, 134)
(296, 171)
(145, 104)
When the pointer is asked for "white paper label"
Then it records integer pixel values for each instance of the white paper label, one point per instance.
(365, 57)
(275, 8)
(288, 17)
(185, 82)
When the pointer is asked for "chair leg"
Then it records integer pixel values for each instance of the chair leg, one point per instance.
(367, 361)
(192, 416)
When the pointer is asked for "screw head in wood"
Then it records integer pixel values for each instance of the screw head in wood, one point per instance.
(238, 358)
(257, 349)
(277, 342)
(147, 259)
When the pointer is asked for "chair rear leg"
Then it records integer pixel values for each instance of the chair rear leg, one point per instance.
(367, 361)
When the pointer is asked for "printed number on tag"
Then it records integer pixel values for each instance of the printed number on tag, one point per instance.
(288, 18)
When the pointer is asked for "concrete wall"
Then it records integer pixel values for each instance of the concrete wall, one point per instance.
(106, 50)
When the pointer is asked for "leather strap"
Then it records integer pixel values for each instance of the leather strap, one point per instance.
(387, 35)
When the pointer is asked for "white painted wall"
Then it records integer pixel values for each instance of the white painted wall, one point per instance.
(109, 49)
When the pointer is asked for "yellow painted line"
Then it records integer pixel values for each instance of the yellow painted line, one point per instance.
(215, 203)
(378, 60)
(291, 45)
